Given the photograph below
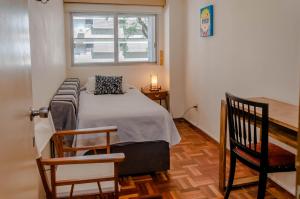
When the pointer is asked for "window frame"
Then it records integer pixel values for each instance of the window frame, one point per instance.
(115, 16)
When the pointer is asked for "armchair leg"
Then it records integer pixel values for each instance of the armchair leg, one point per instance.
(231, 175)
(262, 184)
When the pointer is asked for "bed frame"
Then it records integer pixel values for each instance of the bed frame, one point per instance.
(142, 157)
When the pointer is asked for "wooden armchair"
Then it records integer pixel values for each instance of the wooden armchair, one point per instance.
(93, 175)
(58, 139)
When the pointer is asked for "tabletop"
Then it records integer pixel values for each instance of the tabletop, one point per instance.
(281, 113)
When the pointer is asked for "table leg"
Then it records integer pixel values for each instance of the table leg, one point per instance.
(222, 150)
(167, 101)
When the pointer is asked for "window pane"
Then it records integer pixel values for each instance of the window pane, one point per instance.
(136, 39)
(93, 38)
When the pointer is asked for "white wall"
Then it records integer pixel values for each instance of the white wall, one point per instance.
(47, 49)
(167, 43)
(171, 39)
(175, 53)
(135, 74)
(253, 53)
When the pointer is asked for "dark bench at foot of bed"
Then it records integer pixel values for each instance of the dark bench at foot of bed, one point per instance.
(143, 157)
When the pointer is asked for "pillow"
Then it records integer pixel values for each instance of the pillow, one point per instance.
(91, 84)
(125, 85)
(108, 85)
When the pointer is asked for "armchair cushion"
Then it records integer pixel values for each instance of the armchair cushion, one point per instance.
(85, 172)
(85, 189)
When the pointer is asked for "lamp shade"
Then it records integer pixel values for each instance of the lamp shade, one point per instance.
(154, 82)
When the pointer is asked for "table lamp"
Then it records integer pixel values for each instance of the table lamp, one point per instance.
(154, 83)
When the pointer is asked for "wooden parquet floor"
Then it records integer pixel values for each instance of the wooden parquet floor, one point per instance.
(193, 173)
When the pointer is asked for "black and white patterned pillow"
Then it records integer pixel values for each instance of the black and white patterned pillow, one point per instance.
(108, 85)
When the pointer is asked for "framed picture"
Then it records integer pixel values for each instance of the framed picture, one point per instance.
(207, 21)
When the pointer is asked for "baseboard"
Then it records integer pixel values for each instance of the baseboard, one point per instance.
(285, 180)
(201, 131)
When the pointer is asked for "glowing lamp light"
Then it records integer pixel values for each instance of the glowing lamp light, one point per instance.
(154, 82)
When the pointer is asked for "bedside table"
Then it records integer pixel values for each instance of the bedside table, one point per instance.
(157, 95)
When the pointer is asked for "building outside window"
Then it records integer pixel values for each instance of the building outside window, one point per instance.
(115, 38)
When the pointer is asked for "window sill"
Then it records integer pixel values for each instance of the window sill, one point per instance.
(114, 64)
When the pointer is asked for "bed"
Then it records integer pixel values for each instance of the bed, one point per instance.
(145, 129)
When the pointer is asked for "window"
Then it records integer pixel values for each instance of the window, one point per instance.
(113, 38)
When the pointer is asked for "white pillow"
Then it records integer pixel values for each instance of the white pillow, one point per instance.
(91, 85)
(125, 86)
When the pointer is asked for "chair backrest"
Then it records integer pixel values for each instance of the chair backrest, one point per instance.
(44, 130)
(64, 150)
(248, 126)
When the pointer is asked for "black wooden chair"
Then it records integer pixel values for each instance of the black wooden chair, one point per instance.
(248, 131)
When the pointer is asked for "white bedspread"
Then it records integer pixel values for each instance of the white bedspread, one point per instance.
(138, 119)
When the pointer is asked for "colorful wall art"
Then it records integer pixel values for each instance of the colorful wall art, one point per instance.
(207, 21)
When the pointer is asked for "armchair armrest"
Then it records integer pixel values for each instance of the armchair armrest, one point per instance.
(58, 139)
(107, 129)
(105, 158)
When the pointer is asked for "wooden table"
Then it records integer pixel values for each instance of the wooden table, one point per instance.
(283, 126)
(157, 95)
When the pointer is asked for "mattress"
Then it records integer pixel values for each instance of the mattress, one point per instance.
(138, 119)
